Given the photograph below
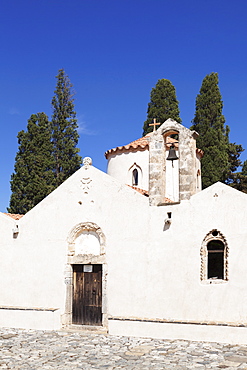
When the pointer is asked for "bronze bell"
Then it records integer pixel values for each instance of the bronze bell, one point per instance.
(172, 156)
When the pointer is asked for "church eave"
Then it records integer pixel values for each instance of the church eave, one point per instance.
(126, 149)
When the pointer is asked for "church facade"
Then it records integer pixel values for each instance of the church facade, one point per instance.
(139, 251)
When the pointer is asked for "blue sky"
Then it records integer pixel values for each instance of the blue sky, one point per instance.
(114, 51)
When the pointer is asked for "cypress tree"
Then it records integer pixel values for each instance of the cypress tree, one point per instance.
(163, 105)
(239, 179)
(209, 122)
(64, 130)
(243, 177)
(234, 152)
(33, 178)
(244, 168)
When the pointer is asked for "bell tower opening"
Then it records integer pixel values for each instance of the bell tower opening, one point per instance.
(171, 139)
(174, 162)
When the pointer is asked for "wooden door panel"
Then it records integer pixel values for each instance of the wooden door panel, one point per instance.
(87, 296)
(77, 294)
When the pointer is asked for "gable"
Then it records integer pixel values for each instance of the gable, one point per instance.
(88, 195)
(222, 190)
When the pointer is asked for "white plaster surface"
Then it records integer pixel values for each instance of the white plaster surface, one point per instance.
(87, 243)
(27, 319)
(207, 333)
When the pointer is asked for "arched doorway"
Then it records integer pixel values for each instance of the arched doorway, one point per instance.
(86, 276)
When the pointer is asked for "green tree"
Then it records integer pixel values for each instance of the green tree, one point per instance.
(244, 168)
(234, 152)
(220, 157)
(64, 130)
(33, 178)
(239, 179)
(163, 105)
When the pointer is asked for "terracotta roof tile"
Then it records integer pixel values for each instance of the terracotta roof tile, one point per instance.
(141, 191)
(139, 144)
(142, 144)
(14, 216)
(167, 200)
(146, 193)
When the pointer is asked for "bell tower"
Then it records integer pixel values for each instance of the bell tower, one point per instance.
(174, 164)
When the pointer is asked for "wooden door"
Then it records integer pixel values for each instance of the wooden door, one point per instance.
(87, 295)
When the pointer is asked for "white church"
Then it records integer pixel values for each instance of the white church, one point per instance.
(139, 251)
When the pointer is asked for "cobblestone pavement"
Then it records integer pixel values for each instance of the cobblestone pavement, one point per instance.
(30, 349)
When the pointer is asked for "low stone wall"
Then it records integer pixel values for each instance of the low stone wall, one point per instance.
(174, 330)
(30, 318)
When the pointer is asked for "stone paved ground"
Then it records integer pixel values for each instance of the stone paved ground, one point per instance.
(29, 350)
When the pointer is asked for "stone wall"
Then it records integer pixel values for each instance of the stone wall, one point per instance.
(188, 162)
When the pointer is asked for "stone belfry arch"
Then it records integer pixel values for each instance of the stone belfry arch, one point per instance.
(187, 164)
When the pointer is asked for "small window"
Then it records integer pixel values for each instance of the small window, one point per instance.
(135, 177)
(198, 180)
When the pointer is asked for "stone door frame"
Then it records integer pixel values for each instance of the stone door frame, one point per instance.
(86, 259)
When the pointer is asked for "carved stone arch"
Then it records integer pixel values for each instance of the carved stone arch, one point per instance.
(79, 229)
(214, 234)
(171, 126)
(171, 138)
(170, 131)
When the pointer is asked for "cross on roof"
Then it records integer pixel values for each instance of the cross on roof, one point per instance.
(154, 124)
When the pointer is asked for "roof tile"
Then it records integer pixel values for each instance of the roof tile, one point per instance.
(141, 191)
(139, 144)
(14, 216)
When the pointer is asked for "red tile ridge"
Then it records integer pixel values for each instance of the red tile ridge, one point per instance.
(136, 145)
(167, 200)
(143, 144)
(139, 190)
(13, 215)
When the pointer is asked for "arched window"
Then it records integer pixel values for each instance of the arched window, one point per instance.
(198, 180)
(135, 177)
(214, 257)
